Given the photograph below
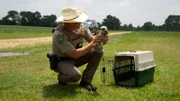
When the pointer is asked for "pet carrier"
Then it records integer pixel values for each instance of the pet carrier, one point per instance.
(133, 68)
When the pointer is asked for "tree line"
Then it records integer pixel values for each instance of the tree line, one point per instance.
(171, 23)
(28, 18)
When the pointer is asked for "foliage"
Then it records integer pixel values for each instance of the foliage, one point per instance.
(27, 18)
(12, 18)
(127, 27)
(30, 19)
(147, 26)
(111, 22)
(48, 20)
(172, 23)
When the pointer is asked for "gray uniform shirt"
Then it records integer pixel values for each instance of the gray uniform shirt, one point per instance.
(63, 40)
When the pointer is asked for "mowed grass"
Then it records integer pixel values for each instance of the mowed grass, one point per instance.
(14, 32)
(28, 77)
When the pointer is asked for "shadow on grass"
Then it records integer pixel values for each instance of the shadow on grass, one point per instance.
(131, 87)
(57, 91)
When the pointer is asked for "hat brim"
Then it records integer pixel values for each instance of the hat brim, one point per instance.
(81, 18)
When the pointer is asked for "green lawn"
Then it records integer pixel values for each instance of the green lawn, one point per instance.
(13, 32)
(28, 77)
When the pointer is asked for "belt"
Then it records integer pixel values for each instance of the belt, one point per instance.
(65, 58)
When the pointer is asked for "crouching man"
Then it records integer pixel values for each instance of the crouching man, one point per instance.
(67, 46)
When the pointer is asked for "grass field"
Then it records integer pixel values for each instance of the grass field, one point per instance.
(14, 32)
(28, 77)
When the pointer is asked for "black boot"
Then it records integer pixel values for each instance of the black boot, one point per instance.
(60, 82)
(87, 85)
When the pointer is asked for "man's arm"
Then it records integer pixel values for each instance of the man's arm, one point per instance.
(80, 51)
(84, 50)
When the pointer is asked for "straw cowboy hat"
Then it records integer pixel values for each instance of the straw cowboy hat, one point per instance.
(72, 15)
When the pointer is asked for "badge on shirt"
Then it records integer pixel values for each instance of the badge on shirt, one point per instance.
(60, 37)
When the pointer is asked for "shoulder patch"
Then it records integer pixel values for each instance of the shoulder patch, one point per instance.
(60, 37)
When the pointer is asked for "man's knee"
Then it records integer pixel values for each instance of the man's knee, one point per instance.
(75, 77)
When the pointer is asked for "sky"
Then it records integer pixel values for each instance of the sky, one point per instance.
(135, 12)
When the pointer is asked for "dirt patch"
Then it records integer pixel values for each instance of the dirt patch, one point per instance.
(22, 42)
(31, 41)
(115, 33)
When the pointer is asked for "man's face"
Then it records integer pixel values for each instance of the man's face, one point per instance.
(73, 26)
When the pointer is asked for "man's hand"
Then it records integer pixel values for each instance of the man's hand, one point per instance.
(101, 38)
(105, 39)
(96, 39)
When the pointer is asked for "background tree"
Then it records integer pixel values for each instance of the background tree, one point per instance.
(124, 27)
(147, 26)
(49, 21)
(138, 28)
(1, 22)
(130, 27)
(37, 18)
(30, 19)
(112, 22)
(26, 18)
(99, 24)
(12, 18)
(172, 23)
